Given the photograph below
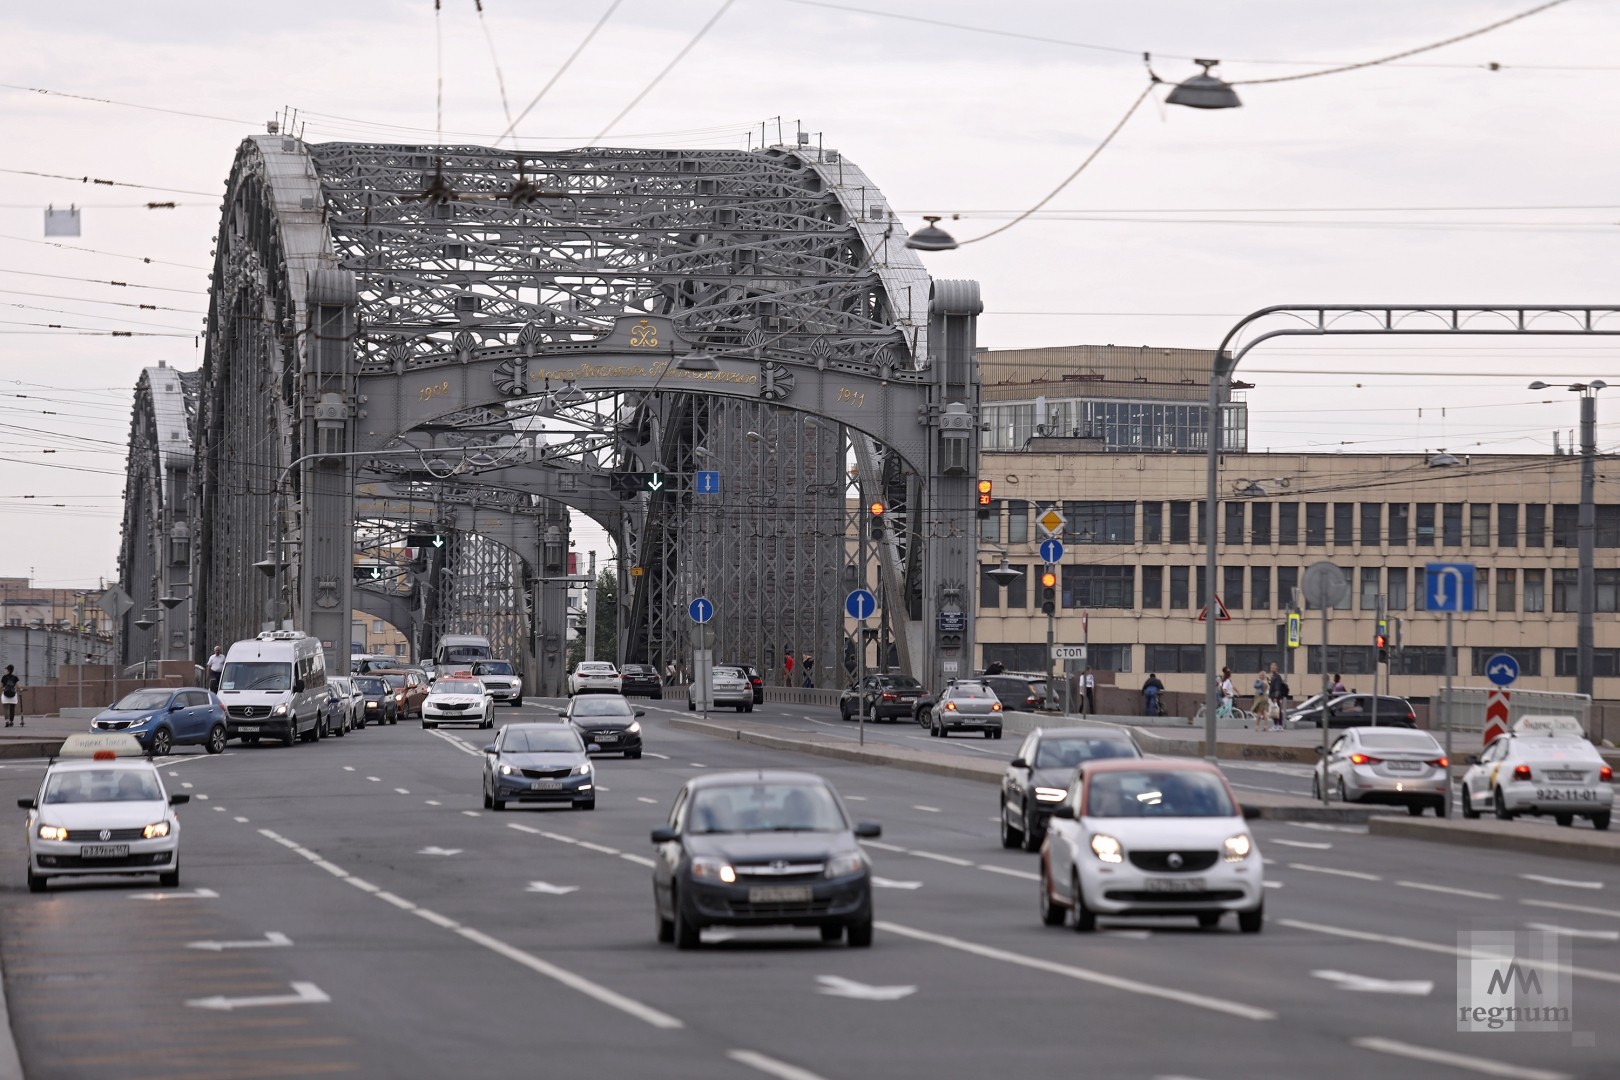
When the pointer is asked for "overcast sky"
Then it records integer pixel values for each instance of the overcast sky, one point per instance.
(1433, 180)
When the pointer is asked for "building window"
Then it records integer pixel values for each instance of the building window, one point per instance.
(1017, 594)
(1244, 659)
(1535, 591)
(989, 590)
(1482, 589)
(1234, 522)
(1567, 532)
(1608, 527)
(1419, 660)
(1017, 521)
(1608, 590)
(399, 649)
(1420, 589)
(1099, 586)
(1178, 588)
(990, 524)
(1175, 659)
(1529, 659)
(1100, 522)
(1233, 581)
(1016, 656)
(1343, 659)
(1108, 657)
(1372, 524)
(1505, 598)
(1451, 524)
(1479, 524)
(1425, 524)
(1507, 525)
(376, 626)
(1566, 590)
(1369, 588)
(1400, 515)
(1605, 663)
(1566, 526)
(1395, 586)
(1535, 525)
(1315, 524)
(1344, 515)
(1180, 517)
(1153, 523)
(1287, 582)
(1260, 588)
(1287, 524)
(1348, 599)
(1152, 587)
(1201, 516)
(1260, 524)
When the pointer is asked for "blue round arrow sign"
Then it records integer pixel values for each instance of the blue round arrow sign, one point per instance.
(860, 604)
(1502, 669)
(701, 609)
(1051, 551)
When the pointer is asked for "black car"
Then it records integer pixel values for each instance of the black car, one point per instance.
(382, 705)
(1355, 710)
(887, 697)
(1020, 693)
(640, 680)
(607, 721)
(762, 848)
(1038, 777)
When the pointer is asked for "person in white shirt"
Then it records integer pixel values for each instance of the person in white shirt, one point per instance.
(1088, 687)
(216, 664)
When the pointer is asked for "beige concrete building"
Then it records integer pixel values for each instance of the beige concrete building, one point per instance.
(1121, 456)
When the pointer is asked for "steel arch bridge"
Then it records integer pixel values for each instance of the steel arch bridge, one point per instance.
(468, 331)
(154, 556)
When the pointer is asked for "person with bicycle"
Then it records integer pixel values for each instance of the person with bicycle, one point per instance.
(1228, 692)
(1150, 696)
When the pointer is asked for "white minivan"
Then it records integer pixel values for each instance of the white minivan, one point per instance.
(273, 687)
(458, 653)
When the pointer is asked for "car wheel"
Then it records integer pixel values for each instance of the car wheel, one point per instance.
(489, 719)
(1208, 920)
(860, 935)
(1344, 796)
(633, 755)
(517, 703)
(586, 804)
(162, 742)
(1052, 913)
(989, 734)
(1442, 808)
(691, 706)
(36, 882)
(1032, 837)
(495, 804)
(170, 879)
(666, 929)
(1566, 820)
(217, 738)
(1415, 809)
(428, 725)
(1010, 837)
(1085, 920)
(488, 803)
(1250, 922)
(832, 933)
(998, 733)
(1500, 805)
(1600, 822)
(1468, 810)
(294, 736)
(340, 731)
(686, 932)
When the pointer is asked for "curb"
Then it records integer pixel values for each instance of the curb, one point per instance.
(32, 748)
(1559, 843)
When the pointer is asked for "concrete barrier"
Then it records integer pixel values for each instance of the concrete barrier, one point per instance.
(1585, 845)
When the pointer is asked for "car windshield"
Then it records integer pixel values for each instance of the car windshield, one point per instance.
(102, 785)
(1067, 753)
(141, 700)
(492, 667)
(463, 654)
(548, 739)
(595, 669)
(600, 706)
(1155, 793)
(372, 687)
(970, 692)
(730, 672)
(456, 687)
(901, 682)
(256, 675)
(785, 807)
(395, 680)
(1398, 740)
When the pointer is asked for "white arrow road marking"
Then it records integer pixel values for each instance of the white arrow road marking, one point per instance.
(886, 883)
(303, 993)
(1367, 984)
(1569, 931)
(1299, 843)
(440, 851)
(551, 890)
(838, 986)
(273, 939)
(194, 894)
(1565, 882)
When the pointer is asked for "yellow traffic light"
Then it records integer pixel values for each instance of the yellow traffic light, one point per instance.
(877, 509)
(1048, 580)
(984, 493)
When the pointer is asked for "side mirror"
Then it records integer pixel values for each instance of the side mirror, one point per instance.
(1064, 811)
(868, 830)
(28, 804)
(641, 712)
(664, 835)
(1251, 813)
(179, 800)
(176, 707)
(1318, 750)
(298, 686)
(490, 749)
(1473, 759)
(1018, 763)
(593, 749)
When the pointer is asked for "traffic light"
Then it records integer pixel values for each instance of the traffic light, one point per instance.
(1381, 639)
(367, 572)
(984, 498)
(877, 511)
(1049, 591)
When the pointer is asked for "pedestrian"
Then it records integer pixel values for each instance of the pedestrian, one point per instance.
(1278, 693)
(1338, 685)
(787, 668)
(669, 673)
(1262, 701)
(216, 664)
(809, 665)
(994, 668)
(1150, 695)
(1088, 681)
(9, 684)
(1228, 693)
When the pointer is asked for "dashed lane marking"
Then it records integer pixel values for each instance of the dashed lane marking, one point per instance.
(1484, 1066)
(1542, 879)
(771, 1066)
(1300, 844)
(472, 813)
(1009, 872)
(643, 798)
(1335, 871)
(402, 791)
(927, 809)
(241, 820)
(1448, 890)
(1577, 908)
(1423, 946)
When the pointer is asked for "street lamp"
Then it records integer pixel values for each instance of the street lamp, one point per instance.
(1585, 528)
(1204, 91)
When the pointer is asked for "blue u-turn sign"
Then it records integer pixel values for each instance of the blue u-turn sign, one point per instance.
(1450, 586)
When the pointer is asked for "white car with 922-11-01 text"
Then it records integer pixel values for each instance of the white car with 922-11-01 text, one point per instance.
(1546, 766)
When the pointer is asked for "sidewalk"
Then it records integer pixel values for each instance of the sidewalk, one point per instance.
(41, 736)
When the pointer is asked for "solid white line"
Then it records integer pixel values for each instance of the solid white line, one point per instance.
(587, 845)
(927, 809)
(639, 860)
(398, 901)
(1024, 874)
(1572, 907)
(1299, 843)
(1357, 874)
(1422, 946)
(1201, 1001)
(522, 828)
(770, 1066)
(1562, 881)
(1569, 931)
(660, 757)
(590, 989)
(1448, 890)
(1484, 1066)
(436, 919)
(951, 859)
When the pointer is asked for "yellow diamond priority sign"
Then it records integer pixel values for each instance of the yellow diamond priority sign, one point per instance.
(1052, 520)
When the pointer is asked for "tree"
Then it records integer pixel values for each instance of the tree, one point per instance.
(607, 622)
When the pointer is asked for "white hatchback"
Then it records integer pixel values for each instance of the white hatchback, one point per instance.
(1150, 837)
(1555, 774)
(595, 677)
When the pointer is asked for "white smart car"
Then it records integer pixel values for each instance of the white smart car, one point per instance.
(102, 809)
(1542, 768)
(458, 700)
(1139, 836)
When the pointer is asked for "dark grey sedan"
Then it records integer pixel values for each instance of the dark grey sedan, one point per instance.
(762, 848)
(607, 722)
(1038, 777)
(538, 763)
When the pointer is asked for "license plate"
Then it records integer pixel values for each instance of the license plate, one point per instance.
(544, 785)
(1175, 885)
(104, 851)
(1564, 774)
(1566, 795)
(247, 727)
(606, 739)
(779, 894)
(1405, 766)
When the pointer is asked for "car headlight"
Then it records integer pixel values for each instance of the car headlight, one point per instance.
(52, 832)
(705, 868)
(371, 704)
(844, 865)
(1106, 848)
(1050, 794)
(634, 728)
(155, 830)
(1237, 848)
(583, 768)
(507, 770)
(280, 710)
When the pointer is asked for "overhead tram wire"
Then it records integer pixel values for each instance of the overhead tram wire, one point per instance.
(100, 281)
(109, 303)
(495, 61)
(99, 182)
(558, 74)
(108, 254)
(688, 47)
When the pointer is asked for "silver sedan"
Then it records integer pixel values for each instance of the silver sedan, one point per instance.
(967, 707)
(1393, 766)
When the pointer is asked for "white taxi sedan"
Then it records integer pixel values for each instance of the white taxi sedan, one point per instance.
(1141, 836)
(102, 809)
(456, 699)
(595, 677)
(1554, 773)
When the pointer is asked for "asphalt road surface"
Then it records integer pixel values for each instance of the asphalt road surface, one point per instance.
(349, 908)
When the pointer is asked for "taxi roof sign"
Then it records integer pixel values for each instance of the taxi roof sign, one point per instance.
(1551, 726)
(100, 746)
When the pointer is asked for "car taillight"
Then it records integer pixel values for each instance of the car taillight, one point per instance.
(1363, 759)
(1605, 773)
(996, 707)
(1521, 772)
(1411, 718)
(950, 706)
(890, 697)
(1439, 762)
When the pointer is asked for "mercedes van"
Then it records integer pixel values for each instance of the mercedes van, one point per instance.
(273, 687)
(458, 652)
